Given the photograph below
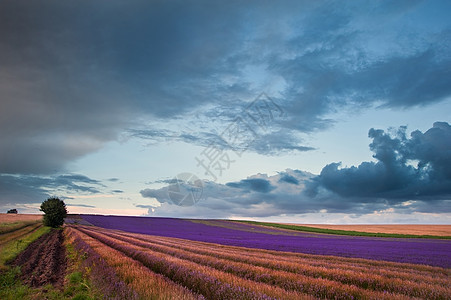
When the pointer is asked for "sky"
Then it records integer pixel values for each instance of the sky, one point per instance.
(287, 111)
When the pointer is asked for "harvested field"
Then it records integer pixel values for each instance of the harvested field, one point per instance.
(44, 261)
(438, 230)
(13, 218)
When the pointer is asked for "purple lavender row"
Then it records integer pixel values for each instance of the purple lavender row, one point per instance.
(418, 251)
(102, 275)
(315, 285)
(203, 284)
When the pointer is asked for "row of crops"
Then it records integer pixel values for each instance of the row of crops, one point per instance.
(433, 252)
(144, 266)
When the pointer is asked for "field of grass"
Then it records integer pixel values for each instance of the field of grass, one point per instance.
(16, 233)
(12, 222)
(189, 269)
(421, 230)
(338, 230)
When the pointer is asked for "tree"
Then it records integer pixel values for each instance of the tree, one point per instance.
(54, 212)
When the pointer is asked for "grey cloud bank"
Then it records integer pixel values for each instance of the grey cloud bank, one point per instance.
(86, 72)
(415, 168)
(75, 76)
(410, 174)
(28, 189)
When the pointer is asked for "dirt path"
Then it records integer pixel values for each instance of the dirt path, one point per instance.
(44, 260)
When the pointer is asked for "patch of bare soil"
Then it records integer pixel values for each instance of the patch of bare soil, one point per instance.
(44, 260)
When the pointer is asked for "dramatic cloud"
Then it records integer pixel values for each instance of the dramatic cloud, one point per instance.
(35, 189)
(415, 168)
(77, 75)
(256, 76)
(257, 195)
(254, 184)
(289, 179)
(411, 175)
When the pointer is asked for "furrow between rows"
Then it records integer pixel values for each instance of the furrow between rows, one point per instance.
(211, 283)
(380, 279)
(146, 283)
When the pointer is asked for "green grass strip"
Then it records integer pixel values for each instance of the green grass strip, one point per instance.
(13, 248)
(77, 285)
(11, 227)
(343, 232)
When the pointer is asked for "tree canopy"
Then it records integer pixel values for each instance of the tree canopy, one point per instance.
(54, 212)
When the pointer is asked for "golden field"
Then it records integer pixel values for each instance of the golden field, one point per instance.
(13, 218)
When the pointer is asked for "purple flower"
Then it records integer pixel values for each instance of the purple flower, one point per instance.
(418, 251)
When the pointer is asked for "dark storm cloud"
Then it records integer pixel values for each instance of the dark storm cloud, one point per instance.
(34, 189)
(21, 190)
(411, 174)
(75, 75)
(254, 184)
(258, 195)
(161, 194)
(289, 179)
(65, 179)
(338, 73)
(415, 168)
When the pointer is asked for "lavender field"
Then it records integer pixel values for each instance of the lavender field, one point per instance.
(431, 252)
(159, 258)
